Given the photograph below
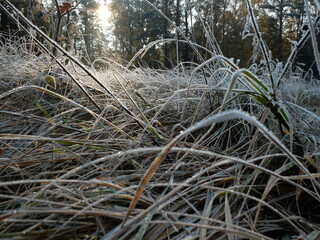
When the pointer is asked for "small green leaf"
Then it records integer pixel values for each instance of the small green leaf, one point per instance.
(43, 110)
(250, 75)
(51, 81)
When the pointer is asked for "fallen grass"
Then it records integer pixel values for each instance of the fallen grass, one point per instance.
(215, 158)
(69, 172)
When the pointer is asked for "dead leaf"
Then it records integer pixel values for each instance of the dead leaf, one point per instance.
(5, 216)
(64, 7)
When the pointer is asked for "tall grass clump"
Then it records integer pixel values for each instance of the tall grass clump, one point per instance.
(204, 150)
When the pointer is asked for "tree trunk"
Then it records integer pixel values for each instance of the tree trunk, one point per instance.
(280, 53)
(177, 33)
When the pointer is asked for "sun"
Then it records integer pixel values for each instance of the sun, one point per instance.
(104, 15)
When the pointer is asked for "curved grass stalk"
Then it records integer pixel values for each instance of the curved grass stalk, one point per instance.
(222, 117)
(145, 49)
(161, 203)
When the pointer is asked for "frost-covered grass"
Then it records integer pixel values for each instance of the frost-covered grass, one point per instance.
(179, 167)
(201, 151)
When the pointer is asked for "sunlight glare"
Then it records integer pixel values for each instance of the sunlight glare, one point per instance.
(104, 15)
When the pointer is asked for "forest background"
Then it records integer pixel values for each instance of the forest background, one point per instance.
(133, 24)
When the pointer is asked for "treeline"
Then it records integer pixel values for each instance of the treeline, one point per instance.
(213, 24)
(220, 26)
